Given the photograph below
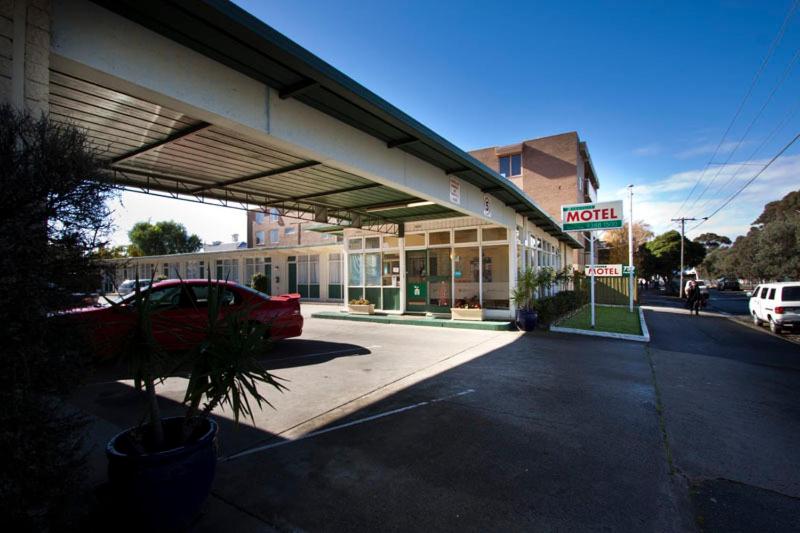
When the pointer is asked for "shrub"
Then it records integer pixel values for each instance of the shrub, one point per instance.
(551, 308)
(260, 282)
(360, 301)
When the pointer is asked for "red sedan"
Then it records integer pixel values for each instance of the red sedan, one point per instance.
(180, 315)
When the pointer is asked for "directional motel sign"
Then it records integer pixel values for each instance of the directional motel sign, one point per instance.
(604, 271)
(592, 216)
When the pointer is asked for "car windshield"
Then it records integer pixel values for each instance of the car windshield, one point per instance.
(790, 294)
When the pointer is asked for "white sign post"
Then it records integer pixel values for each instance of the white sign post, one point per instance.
(591, 217)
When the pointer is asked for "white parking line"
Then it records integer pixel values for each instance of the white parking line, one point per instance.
(345, 425)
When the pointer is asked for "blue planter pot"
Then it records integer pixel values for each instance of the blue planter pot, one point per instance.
(163, 491)
(527, 319)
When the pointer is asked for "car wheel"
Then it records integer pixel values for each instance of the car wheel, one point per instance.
(756, 320)
(774, 328)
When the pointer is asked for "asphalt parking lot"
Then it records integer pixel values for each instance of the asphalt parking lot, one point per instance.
(406, 427)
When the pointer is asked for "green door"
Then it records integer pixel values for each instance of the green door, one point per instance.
(292, 277)
(416, 280)
(429, 280)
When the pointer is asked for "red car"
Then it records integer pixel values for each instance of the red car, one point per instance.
(181, 323)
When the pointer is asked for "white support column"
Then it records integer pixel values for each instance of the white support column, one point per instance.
(345, 273)
(402, 244)
(512, 268)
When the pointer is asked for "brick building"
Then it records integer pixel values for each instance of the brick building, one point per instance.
(276, 230)
(552, 170)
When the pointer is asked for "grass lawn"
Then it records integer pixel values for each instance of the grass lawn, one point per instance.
(611, 319)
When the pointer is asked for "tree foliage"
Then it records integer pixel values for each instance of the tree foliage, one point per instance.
(712, 240)
(162, 238)
(666, 254)
(769, 251)
(53, 215)
(616, 243)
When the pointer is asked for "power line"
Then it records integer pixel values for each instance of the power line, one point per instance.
(777, 86)
(747, 184)
(770, 52)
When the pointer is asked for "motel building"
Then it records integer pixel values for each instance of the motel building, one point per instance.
(202, 102)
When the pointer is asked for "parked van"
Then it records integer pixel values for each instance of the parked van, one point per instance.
(777, 304)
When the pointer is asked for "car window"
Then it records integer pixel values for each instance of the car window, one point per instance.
(790, 294)
(201, 295)
(771, 294)
(764, 292)
(168, 296)
(755, 291)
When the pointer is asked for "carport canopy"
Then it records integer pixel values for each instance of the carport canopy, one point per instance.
(154, 149)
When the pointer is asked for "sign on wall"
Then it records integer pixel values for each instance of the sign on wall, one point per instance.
(591, 216)
(455, 190)
(604, 271)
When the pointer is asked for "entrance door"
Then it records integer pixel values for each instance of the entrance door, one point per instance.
(268, 275)
(428, 280)
(292, 277)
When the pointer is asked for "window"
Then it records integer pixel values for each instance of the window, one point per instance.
(228, 269)
(259, 218)
(253, 266)
(465, 235)
(201, 295)
(391, 242)
(273, 214)
(439, 237)
(790, 294)
(466, 269)
(494, 234)
(415, 239)
(372, 243)
(391, 270)
(764, 292)
(772, 294)
(355, 244)
(260, 238)
(168, 297)
(511, 165)
(372, 269)
(355, 270)
(495, 277)
(289, 230)
(335, 269)
(273, 236)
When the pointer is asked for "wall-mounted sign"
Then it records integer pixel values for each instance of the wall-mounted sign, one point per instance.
(455, 190)
(604, 271)
(487, 206)
(592, 216)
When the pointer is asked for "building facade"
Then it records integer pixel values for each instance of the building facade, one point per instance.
(273, 229)
(553, 171)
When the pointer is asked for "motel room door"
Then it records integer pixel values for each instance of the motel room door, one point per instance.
(428, 280)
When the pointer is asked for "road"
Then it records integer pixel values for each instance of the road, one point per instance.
(415, 428)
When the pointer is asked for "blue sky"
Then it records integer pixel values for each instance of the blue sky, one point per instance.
(651, 86)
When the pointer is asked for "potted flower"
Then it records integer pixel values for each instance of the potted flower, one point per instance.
(161, 471)
(361, 306)
(467, 310)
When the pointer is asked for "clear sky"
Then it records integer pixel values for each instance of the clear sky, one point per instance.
(651, 86)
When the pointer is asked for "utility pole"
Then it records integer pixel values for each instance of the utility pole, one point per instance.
(683, 221)
(630, 249)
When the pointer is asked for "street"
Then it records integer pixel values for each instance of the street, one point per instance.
(407, 427)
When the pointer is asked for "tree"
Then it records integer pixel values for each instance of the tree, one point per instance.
(712, 241)
(616, 243)
(53, 217)
(666, 250)
(162, 238)
(789, 205)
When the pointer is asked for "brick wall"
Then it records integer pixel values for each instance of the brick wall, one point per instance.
(25, 53)
(300, 236)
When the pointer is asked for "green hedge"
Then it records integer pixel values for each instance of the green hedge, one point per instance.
(552, 308)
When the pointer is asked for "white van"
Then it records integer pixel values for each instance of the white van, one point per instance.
(778, 304)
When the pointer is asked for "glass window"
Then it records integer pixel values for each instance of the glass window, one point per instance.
(313, 269)
(170, 296)
(439, 237)
(260, 238)
(355, 265)
(273, 236)
(390, 274)
(288, 230)
(415, 239)
(372, 243)
(764, 292)
(335, 269)
(790, 294)
(354, 244)
(511, 165)
(391, 242)
(494, 234)
(201, 295)
(772, 294)
(495, 277)
(466, 268)
(465, 235)
(273, 214)
(228, 269)
(195, 270)
(372, 269)
(259, 218)
(302, 270)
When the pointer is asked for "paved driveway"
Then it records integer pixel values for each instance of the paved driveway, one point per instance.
(406, 427)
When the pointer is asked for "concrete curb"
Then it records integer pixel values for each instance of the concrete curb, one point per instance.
(644, 337)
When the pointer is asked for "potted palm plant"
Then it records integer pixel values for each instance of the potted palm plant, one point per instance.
(160, 472)
(529, 283)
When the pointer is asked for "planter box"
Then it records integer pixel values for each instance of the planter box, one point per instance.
(458, 313)
(361, 309)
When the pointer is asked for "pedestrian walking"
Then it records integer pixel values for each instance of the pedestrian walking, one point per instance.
(693, 298)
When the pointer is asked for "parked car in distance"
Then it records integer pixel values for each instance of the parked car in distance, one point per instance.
(777, 304)
(180, 315)
(129, 285)
(727, 284)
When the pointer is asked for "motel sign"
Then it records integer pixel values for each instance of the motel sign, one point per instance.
(596, 215)
(604, 271)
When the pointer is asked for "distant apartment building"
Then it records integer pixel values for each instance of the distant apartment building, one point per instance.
(275, 230)
(552, 170)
